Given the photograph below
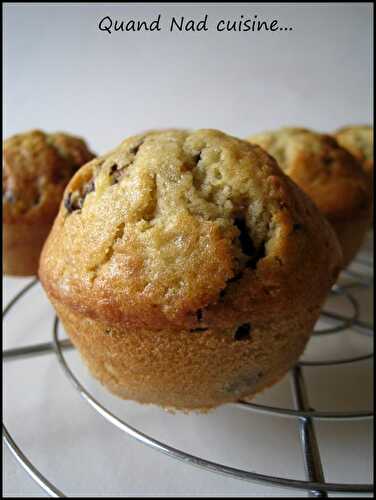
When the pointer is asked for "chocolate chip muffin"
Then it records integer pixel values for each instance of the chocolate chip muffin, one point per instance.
(358, 139)
(330, 175)
(187, 269)
(36, 168)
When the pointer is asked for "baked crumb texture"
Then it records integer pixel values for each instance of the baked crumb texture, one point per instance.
(358, 139)
(187, 268)
(36, 168)
(331, 176)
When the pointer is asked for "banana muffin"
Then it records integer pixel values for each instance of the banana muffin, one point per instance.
(36, 169)
(330, 175)
(187, 269)
(358, 139)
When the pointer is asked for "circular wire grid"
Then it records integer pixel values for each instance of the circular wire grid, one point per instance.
(314, 484)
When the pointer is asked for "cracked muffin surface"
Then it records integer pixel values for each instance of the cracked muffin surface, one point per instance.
(188, 268)
(170, 228)
(329, 174)
(358, 139)
(36, 168)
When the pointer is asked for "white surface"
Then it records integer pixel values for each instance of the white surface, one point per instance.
(61, 73)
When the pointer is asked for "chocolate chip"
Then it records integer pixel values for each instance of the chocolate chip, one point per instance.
(243, 332)
(198, 330)
(297, 227)
(77, 202)
(88, 187)
(199, 315)
(247, 245)
(197, 158)
(244, 238)
(258, 255)
(68, 203)
(116, 173)
(135, 149)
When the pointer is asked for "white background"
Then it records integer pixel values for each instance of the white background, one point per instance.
(62, 73)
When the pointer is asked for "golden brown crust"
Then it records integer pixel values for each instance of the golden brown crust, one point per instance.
(159, 239)
(188, 370)
(358, 139)
(187, 268)
(328, 173)
(323, 169)
(22, 245)
(351, 235)
(36, 168)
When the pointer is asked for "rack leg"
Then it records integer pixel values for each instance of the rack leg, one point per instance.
(310, 448)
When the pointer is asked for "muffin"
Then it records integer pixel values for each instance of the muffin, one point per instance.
(187, 269)
(358, 139)
(36, 169)
(330, 175)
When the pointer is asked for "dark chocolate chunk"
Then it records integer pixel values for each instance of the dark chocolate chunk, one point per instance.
(68, 203)
(297, 227)
(76, 203)
(88, 187)
(258, 255)
(197, 158)
(247, 245)
(135, 149)
(199, 315)
(198, 329)
(116, 173)
(244, 238)
(243, 332)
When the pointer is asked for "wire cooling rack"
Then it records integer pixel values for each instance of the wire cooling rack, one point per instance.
(315, 484)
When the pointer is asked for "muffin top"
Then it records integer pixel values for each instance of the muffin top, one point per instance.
(36, 168)
(358, 139)
(328, 173)
(193, 230)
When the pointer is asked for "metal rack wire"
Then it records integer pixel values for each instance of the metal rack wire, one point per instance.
(315, 484)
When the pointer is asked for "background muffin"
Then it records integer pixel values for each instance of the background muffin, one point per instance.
(358, 139)
(187, 268)
(36, 168)
(330, 175)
